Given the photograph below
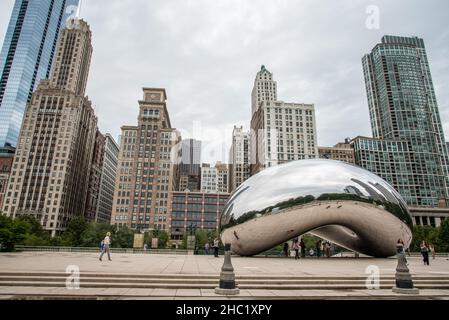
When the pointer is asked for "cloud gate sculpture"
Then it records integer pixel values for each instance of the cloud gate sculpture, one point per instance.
(339, 202)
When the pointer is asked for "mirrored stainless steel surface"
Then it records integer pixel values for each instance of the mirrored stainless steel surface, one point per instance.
(339, 202)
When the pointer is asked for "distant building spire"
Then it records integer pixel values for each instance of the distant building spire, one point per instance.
(78, 10)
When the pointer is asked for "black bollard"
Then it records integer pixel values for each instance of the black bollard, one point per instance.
(227, 277)
(404, 282)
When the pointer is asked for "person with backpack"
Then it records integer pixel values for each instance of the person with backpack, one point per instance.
(106, 243)
(425, 253)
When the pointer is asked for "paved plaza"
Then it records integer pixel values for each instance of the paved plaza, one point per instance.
(164, 265)
(209, 265)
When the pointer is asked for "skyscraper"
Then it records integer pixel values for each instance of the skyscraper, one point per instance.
(280, 131)
(93, 191)
(190, 166)
(52, 164)
(209, 179)
(405, 122)
(26, 58)
(146, 173)
(264, 89)
(107, 180)
(239, 158)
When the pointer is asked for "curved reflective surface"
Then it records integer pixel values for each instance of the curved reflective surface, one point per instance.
(339, 202)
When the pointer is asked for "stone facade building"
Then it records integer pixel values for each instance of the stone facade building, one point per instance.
(280, 131)
(147, 166)
(239, 158)
(50, 173)
(342, 151)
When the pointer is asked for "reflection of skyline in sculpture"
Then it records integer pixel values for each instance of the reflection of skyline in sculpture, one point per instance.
(339, 202)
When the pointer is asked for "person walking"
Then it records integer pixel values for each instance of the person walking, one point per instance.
(286, 249)
(425, 252)
(206, 248)
(216, 245)
(303, 248)
(296, 247)
(106, 243)
(145, 247)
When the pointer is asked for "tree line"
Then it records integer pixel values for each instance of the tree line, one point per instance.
(26, 230)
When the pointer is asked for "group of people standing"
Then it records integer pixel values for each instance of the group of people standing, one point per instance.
(321, 248)
(215, 246)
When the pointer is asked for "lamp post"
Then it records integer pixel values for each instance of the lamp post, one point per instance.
(227, 277)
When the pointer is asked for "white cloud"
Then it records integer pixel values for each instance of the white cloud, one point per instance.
(206, 54)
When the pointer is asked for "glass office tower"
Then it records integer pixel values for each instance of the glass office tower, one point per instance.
(403, 109)
(26, 57)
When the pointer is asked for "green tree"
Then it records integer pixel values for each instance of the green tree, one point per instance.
(35, 234)
(123, 237)
(162, 235)
(94, 233)
(443, 236)
(201, 238)
(73, 235)
(425, 233)
(11, 232)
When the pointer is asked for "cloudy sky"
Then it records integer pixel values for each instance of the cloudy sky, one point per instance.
(206, 53)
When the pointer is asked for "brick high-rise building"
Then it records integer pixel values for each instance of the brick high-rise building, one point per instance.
(342, 151)
(195, 209)
(50, 173)
(146, 173)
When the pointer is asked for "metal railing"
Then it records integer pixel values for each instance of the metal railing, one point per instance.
(269, 253)
(97, 250)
